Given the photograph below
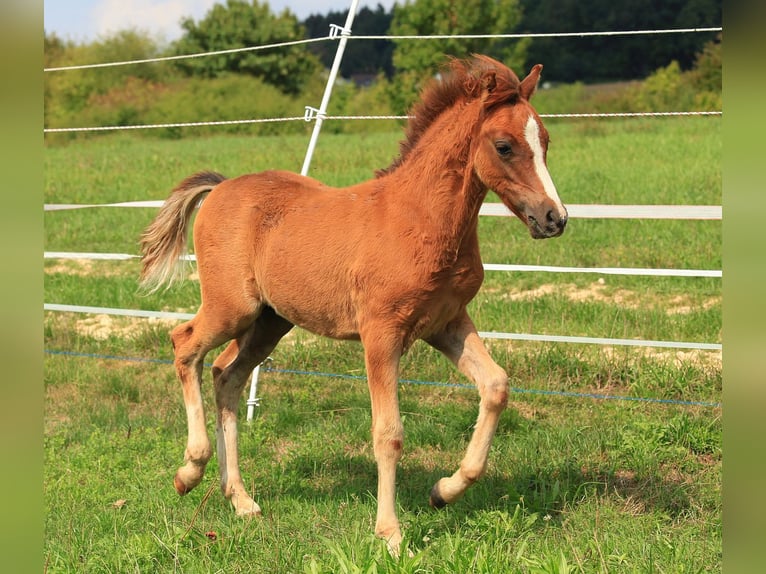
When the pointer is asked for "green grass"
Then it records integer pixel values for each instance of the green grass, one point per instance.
(574, 484)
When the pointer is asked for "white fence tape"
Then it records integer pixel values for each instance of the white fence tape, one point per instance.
(67, 206)
(600, 341)
(122, 312)
(579, 211)
(607, 270)
(102, 256)
(596, 211)
(487, 266)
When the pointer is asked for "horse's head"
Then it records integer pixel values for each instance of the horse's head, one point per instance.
(511, 150)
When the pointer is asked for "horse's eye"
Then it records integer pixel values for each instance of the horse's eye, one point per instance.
(503, 148)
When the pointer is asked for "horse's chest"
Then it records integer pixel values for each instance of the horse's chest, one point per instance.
(439, 300)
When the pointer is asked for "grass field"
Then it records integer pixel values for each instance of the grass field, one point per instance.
(575, 484)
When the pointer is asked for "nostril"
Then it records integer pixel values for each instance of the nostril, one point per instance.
(549, 217)
(553, 218)
(555, 221)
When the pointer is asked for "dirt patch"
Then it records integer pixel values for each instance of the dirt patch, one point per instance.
(599, 292)
(79, 267)
(56, 395)
(679, 358)
(596, 291)
(86, 267)
(102, 326)
(525, 410)
(682, 305)
(104, 268)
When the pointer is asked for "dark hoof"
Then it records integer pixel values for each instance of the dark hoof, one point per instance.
(436, 500)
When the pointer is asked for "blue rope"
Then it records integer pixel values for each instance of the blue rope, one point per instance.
(268, 369)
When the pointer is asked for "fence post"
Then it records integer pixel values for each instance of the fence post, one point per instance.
(318, 117)
(322, 111)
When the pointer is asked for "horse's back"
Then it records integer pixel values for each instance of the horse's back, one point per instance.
(269, 190)
(285, 240)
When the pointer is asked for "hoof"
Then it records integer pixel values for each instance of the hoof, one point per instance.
(255, 512)
(246, 507)
(181, 487)
(435, 499)
(393, 542)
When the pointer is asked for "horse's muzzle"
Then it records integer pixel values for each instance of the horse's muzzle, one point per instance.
(553, 225)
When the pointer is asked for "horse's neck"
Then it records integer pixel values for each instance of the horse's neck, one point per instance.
(437, 180)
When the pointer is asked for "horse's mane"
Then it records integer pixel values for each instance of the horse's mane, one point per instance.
(459, 79)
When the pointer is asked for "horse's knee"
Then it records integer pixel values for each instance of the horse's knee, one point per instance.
(495, 393)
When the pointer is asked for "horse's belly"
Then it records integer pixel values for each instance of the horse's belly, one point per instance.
(321, 324)
(314, 310)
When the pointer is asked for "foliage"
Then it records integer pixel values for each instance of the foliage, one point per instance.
(349, 99)
(69, 93)
(671, 89)
(417, 60)
(369, 57)
(604, 58)
(706, 77)
(161, 93)
(668, 88)
(228, 97)
(661, 90)
(242, 24)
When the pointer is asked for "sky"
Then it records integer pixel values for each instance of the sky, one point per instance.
(87, 20)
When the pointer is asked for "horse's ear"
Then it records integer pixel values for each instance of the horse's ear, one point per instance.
(528, 85)
(488, 82)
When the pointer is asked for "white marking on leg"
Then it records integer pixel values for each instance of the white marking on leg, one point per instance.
(532, 135)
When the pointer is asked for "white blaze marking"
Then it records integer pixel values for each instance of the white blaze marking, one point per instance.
(532, 135)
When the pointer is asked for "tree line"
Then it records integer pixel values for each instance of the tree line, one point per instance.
(239, 23)
(585, 59)
(398, 67)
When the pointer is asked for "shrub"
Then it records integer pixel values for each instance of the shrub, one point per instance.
(663, 91)
(667, 89)
(228, 98)
(352, 100)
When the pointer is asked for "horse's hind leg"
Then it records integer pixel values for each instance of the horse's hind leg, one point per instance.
(191, 342)
(230, 373)
(461, 344)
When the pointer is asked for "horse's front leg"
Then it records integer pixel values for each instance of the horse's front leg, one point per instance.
(462, 345)
(382, 362)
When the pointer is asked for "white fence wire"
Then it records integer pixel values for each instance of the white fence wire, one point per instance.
(337, 32)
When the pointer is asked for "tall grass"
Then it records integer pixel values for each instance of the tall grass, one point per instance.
(575, 484)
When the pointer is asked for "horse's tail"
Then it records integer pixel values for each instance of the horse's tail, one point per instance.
(164, 241)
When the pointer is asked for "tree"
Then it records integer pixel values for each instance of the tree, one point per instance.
(600, 58)
(416, 60)
(242, 24)
(363, 57)
(68, 93)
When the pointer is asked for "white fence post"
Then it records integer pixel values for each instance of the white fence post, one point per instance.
(318, 116)
(252, 400)
(322, 111)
